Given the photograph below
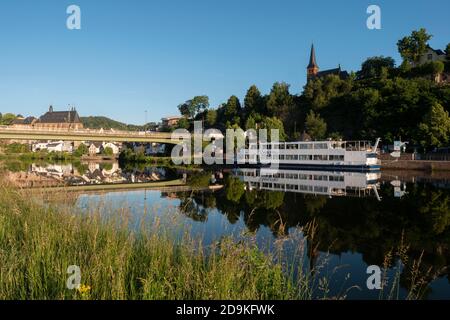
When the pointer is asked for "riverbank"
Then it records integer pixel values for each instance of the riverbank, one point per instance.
(39, 243)
(415, 165)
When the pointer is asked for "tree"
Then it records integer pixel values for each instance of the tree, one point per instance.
(235, 189)
(183, 123)
(447, 62)
(211, 117)
(273, 123)
(232, 107)
(192, 107)
(108, 151)
(253, 102)
(8, 118)
(315, 126)
(373, 67)
(280, 101)
(435, 128)
(81, 150)
(412, 47)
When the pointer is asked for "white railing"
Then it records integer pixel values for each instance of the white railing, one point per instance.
(86, 132)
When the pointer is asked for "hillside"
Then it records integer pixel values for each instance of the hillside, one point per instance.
(97, 122)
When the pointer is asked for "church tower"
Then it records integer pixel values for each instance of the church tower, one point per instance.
(312, 68)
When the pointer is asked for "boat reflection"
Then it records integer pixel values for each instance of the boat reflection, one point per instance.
(324, 183)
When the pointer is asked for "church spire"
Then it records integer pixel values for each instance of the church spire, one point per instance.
(312, 59)
(313, 68)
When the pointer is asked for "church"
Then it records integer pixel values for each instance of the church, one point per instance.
(59, 120)
(313, 71)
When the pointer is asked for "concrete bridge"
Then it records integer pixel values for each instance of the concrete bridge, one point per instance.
(9, 133)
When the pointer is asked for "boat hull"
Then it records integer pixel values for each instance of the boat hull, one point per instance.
(324, 167)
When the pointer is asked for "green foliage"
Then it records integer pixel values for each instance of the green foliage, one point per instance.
(94, 122)
(108, 151)
(183, 123)
(38, 243)
(435, 128)
(315, 126)
(280, 101)
(375, 67)
(412, 47)
(234, 188)
(7, 119)
(232, 109)
(199, 179)
(16, 148)
(211, 118)
(81, 150)
(319, 92)
(194, 106)
(254, 102)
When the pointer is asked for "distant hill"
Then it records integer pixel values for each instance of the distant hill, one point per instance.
(97, 122)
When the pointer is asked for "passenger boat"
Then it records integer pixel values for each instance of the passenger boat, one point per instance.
(329, 155)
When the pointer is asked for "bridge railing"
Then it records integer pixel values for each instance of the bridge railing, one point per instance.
(70, 131)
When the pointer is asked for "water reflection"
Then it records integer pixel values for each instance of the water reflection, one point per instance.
(85, 173)
(319, 183)
(340, 214)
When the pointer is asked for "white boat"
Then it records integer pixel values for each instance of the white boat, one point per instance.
(326, 183)
(329, 155)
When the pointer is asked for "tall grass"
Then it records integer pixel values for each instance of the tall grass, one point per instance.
(39, 242)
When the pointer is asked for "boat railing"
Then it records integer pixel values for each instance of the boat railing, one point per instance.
(352, 145)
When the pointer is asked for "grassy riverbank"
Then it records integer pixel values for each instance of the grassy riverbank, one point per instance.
(39, 243)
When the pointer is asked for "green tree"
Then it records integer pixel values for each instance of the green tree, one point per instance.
(8, 118)
(183, 123)
(412, 47)
(193, 107)
(280, 101)
(235, 189)
(232, 107)
(253, 102)
(211, 117)
(435, 128)
(81, 150)
(315, 126)
(108, 151)
(273, 123)
(373, 67)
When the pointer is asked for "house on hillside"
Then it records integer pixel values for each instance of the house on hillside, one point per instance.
(434, 55)
(431, 55)
(170, 122)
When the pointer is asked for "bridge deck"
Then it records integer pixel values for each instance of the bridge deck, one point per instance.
(86, 135)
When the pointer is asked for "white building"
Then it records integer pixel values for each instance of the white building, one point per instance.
(95, 148)
(114, 147)
(57, 146)
(431, 55)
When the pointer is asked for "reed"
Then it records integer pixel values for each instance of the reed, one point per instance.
(39, 242)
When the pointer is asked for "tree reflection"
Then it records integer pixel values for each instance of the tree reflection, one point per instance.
(345, 224)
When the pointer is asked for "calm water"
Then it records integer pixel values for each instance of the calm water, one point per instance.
(353, 220)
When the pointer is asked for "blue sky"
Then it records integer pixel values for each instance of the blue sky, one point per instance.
(136, 55)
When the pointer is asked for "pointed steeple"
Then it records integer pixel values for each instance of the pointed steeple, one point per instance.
(312, 59)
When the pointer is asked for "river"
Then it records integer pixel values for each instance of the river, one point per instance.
(350, 220)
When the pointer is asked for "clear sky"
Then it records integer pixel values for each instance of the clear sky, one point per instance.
(136, 55)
